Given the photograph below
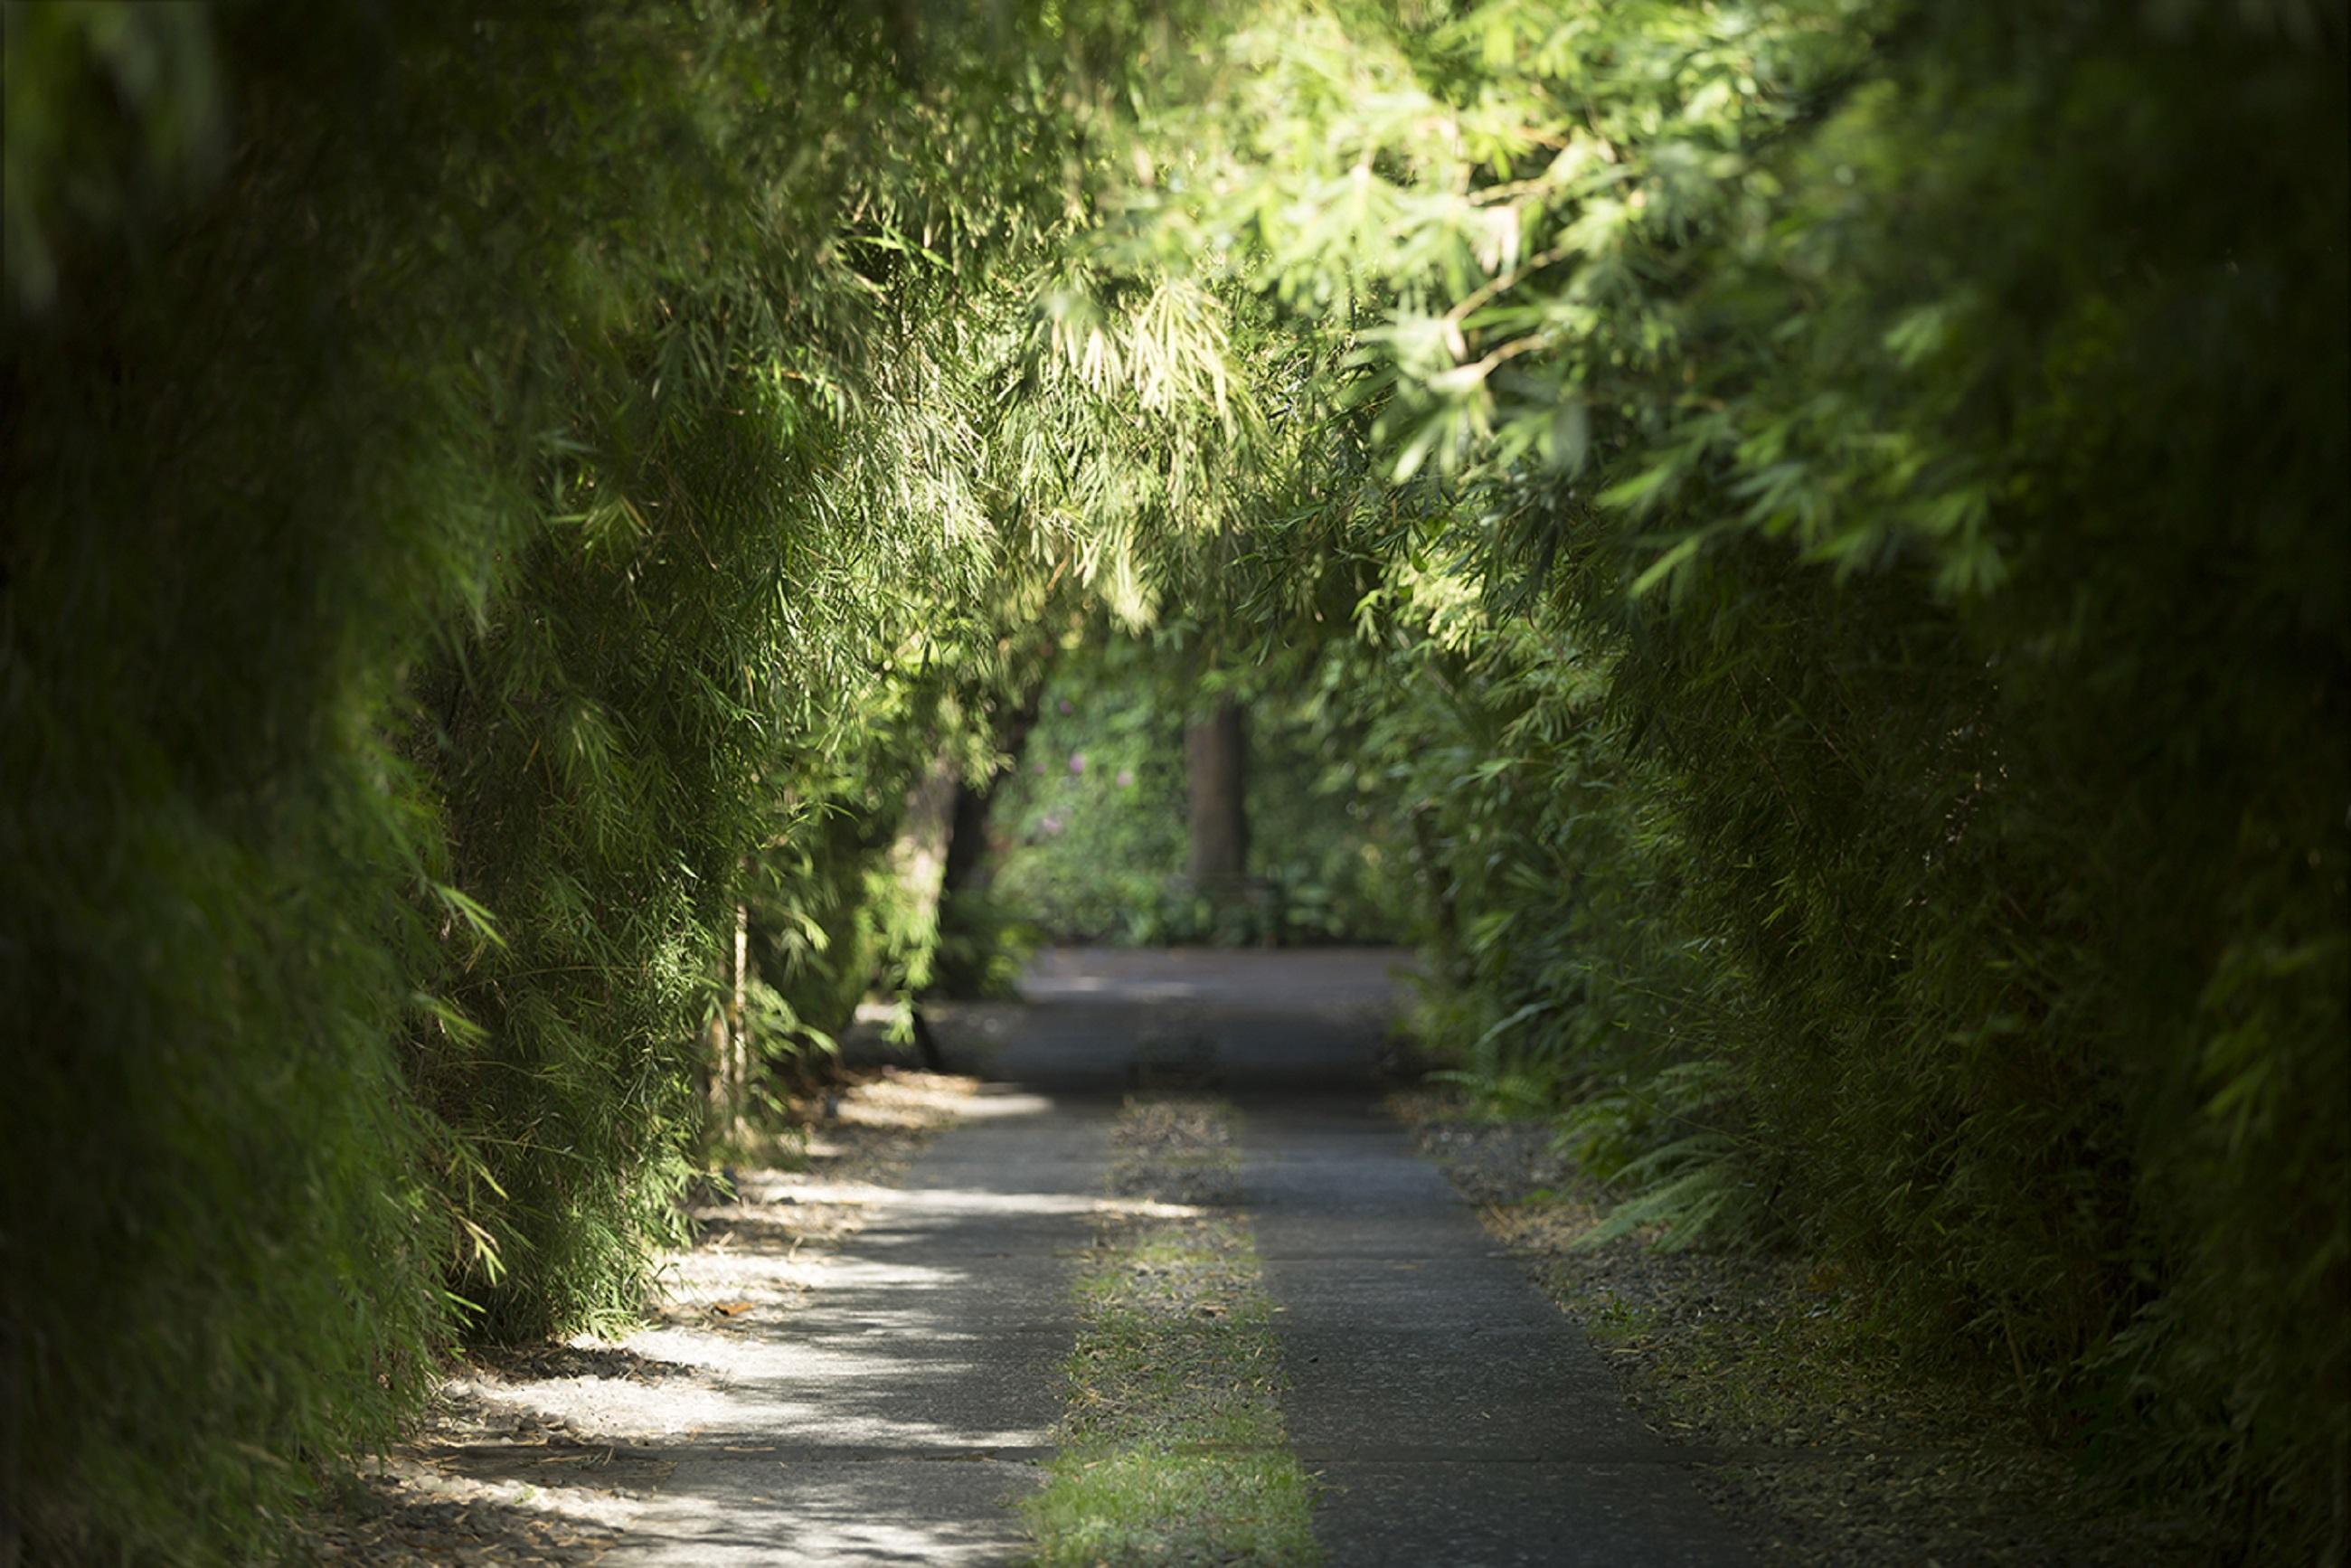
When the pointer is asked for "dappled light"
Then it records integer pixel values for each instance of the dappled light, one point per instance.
(1279, 781)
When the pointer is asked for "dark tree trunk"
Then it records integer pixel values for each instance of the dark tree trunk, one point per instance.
(967, 835)
(1215, 762)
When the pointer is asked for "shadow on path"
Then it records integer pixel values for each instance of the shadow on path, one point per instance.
(1451, 1414)
(895, 1416)
(1102, 1020)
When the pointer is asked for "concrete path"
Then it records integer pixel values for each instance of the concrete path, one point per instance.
(894, 1418)
(1453, 1416)
(1099, 1021)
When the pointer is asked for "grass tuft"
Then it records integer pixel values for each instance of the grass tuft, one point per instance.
(1173, 1449)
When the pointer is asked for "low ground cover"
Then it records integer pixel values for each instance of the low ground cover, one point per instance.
(1173, 1449)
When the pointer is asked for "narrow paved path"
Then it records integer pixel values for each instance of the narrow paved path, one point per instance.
(1451, 1415)
(896, 1416)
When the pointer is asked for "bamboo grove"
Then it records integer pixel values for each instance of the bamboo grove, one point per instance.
(1821, 520)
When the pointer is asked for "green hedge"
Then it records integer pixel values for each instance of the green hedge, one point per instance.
(1838, 505)
(1871, 666)
(446, 550)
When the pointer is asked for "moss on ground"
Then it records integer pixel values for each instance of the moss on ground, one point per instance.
(1173, 1449)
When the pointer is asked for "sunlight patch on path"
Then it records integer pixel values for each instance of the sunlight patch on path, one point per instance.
(888, 1401)
(553, 1454)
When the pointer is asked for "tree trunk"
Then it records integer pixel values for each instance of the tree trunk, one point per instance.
(729, 1044)
(967, 836)
(920, 859)
(1216, 764)
(738, 1017)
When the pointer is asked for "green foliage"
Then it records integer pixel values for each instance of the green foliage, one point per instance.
(1092, 823)
(1812, 528)
(455, 553)
(1995, 873)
